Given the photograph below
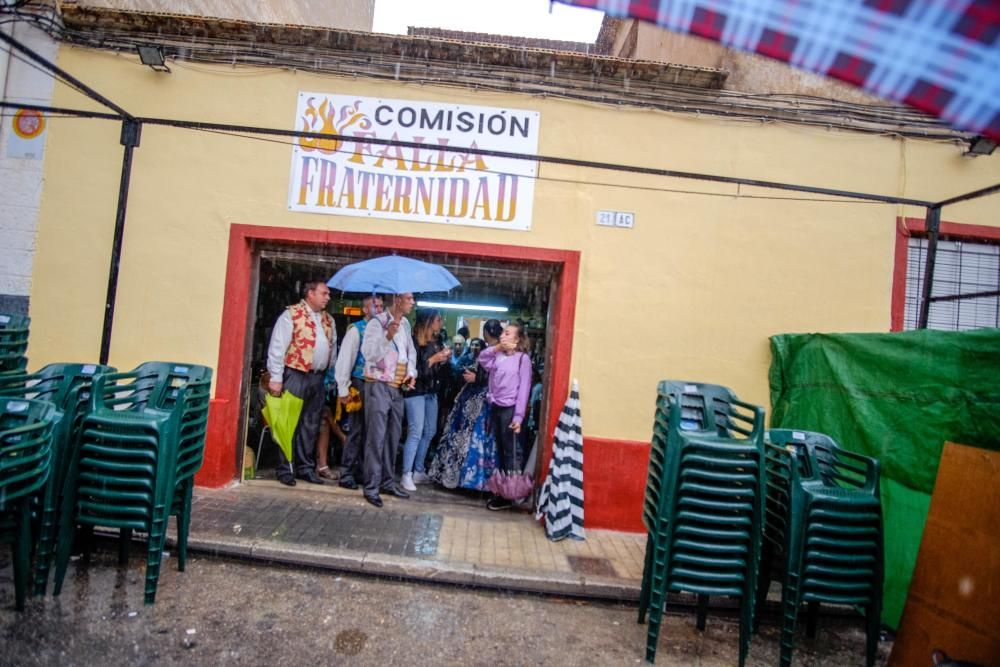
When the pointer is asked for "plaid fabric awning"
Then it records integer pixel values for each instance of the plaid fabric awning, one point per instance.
(940, 56)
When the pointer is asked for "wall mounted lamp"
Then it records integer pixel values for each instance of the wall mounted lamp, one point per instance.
(981, 146)
(152, 55)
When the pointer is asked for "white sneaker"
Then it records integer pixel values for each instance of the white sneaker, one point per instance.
(407, 482)
(421, 478)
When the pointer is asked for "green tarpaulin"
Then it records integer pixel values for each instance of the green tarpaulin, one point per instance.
(897, 397)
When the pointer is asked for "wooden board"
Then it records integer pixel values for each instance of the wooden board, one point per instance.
(954, 598)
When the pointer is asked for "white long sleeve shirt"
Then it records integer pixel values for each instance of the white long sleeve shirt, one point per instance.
(346, 358)
(281, 338)
(375, 346)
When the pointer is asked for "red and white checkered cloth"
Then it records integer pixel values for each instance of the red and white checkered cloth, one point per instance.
(940, 56)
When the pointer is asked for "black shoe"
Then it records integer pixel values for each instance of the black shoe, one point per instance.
(287, 481)
(374, 500)
(348, 483)
(496, 503)
(311, 477)
(395, 490)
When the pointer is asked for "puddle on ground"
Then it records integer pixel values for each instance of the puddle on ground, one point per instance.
(350, 642)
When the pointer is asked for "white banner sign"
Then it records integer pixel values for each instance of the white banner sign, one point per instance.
(425, 183)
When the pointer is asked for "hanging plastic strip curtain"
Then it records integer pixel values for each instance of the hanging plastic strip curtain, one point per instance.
(939, 56)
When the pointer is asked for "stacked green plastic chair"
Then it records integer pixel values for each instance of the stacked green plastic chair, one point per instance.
(124, 470)
(703, 508)
(13, 343)
(190, 454)
(25, 453)
(67, 387)
(824, 532)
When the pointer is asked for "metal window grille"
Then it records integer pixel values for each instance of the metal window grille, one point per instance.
(962, 268)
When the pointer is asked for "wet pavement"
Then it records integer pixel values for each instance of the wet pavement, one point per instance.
(435, 535)
(227, 612)
(430, 580)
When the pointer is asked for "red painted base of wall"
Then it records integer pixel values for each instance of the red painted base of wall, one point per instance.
(219, 467)
(614, 483)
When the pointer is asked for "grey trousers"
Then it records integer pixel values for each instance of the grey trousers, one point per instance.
(352, 460)
(383, 423)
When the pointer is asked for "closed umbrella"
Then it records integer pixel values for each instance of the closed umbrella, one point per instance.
(561, 498)
(282, 416)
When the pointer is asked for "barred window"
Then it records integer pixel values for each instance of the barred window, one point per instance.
(961, 268)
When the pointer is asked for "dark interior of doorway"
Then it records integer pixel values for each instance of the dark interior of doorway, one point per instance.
(521, 286)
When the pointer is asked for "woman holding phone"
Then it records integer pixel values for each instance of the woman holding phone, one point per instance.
(421, 402)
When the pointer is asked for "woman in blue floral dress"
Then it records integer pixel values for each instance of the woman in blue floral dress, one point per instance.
(466, 454)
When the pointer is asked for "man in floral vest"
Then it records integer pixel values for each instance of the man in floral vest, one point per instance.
(303, 345)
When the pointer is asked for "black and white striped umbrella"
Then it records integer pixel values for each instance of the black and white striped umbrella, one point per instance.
(561, 498)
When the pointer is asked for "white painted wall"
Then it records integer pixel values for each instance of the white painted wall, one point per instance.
(20, 179)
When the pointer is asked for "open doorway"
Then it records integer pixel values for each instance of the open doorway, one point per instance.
(504, 288)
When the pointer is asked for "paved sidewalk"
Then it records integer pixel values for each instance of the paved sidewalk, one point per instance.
(435, 535)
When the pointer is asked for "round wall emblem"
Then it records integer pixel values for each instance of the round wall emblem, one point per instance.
(28, 123)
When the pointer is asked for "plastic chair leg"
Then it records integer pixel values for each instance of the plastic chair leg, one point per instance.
(812, 619)
(45, 551)
(154, 552)
(183, 526)
(124, 542)
(22, 555)
(873, 613)
(64, 543)
(647, 574)
(702, 611)
(86, 542)
(746, 623)
(657, 599)
(763, 584)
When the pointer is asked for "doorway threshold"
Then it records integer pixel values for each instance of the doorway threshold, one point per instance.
(435, 536)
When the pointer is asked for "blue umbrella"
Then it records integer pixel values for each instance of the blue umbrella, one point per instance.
(393, 275)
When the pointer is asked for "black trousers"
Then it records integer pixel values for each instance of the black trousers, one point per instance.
(506, 439)
(308, 387)
(351, 462)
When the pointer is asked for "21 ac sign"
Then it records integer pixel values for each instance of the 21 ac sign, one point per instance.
(427, 181)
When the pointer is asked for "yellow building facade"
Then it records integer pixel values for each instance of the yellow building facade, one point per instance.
(692, 291)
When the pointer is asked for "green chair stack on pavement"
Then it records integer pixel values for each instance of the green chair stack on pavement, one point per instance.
(823, 532)
(190, 454)
(704, 503)
(67, 387)
(25, 453)
(13, 342)
(124, 469)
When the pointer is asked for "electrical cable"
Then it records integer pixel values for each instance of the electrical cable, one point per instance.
(553, 179)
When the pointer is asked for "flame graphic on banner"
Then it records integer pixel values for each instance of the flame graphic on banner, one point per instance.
(321, 120)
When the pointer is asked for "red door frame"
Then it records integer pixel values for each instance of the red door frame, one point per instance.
(907, 227)
(221, 460)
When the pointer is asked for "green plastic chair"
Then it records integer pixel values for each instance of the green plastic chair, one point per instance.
(124, 472)
(824, 532)
(14, 331)
(704, 503)
(25, 456)
(67, 387)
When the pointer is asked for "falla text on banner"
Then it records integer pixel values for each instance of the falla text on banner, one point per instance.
(427, 183)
